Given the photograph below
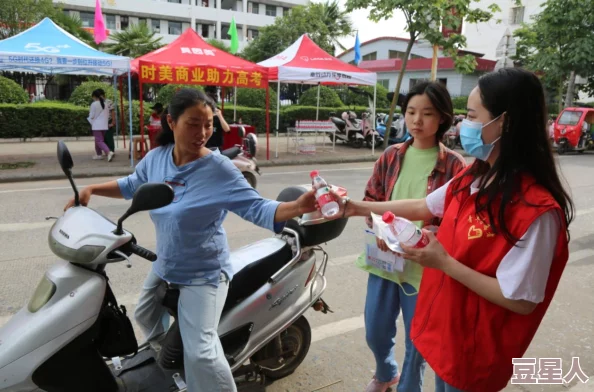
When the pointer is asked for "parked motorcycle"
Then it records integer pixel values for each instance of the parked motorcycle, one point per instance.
(398, 131)
(72, 336)
(244, 156)
(355, 132)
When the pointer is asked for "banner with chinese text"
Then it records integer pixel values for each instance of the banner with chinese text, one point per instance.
(209, 75)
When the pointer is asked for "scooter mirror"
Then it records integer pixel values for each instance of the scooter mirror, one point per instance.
(67, 164)
(241, 132)
(149, 196)
(65, 158)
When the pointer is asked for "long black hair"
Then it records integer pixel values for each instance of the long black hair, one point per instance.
(97, 94)
(524, 146)
(183, 99)
(440, 99)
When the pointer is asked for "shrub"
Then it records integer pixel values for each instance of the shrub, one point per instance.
(81, 96)
(255, 98)
(11, 92)
(460, 102)
(168, 91)
(328, 98)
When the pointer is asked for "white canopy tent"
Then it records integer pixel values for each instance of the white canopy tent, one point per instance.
(305, 62)
(47, 48)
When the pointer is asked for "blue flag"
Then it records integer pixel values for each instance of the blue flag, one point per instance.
(357, 49)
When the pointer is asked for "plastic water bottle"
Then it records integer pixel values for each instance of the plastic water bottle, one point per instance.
(328, 205)
(404, 231)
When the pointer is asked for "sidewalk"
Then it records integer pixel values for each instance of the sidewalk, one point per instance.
(40, 160)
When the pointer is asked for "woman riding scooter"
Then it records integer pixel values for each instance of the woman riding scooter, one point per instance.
(192, 247)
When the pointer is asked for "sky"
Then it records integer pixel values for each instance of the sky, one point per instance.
(393, 27)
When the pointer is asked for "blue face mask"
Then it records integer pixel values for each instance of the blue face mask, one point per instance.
(471, 137)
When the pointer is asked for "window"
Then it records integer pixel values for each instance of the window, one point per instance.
(414, 82)
(253, 8)
(124, 22)
(110, 21)
(443, 81)
(271, 10)
(385, 83)
(156, 25)
(570, 118)
(370, 56)
(141, 21)
(87, 19)
(396, 54)
(516, 15)
(204, 30)
(174, 1)
(414, 57)
(175, 28)
(286, 11)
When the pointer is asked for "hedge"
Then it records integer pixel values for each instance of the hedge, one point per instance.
(81, 96)
(54, 119)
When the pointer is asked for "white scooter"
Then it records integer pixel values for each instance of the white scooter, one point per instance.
(73, 336)
(244, 156)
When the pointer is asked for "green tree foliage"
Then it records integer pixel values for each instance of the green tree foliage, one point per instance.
(135, 41)
(328, 97)
(325, 23)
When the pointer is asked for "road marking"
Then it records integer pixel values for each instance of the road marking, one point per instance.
(264, 175)
(584, 212)
(337, 328)
(580, 255)
(11, 227)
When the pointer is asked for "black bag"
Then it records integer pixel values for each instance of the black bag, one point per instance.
(116, 336)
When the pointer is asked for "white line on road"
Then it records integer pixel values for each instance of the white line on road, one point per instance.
(337, 328)
(5, 227)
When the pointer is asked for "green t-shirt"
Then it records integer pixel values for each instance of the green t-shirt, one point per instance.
(411, 184)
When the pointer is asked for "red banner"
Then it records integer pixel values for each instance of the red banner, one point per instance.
(164, 74)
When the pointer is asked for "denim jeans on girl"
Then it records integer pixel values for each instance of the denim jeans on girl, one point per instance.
(382, 307)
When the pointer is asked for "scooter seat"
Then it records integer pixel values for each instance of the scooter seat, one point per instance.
(338, 121)
(232, 152)
(256, 263)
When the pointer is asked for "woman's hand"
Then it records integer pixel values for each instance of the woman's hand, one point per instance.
(84, 197)
(307, 202)
(431, 256)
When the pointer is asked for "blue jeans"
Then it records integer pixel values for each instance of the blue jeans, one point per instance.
(442, 386)
(382, 307)
(199, 312)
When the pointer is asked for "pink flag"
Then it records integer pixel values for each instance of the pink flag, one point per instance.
(99, 30)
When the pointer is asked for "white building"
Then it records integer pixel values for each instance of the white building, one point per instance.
(384, 56)
(168, 18)
(484, 37)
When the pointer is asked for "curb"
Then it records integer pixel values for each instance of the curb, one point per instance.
(124, 171)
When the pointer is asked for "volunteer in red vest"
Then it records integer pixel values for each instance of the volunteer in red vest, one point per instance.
(492, 270)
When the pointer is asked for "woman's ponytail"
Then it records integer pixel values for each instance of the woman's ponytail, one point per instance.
(165, 137)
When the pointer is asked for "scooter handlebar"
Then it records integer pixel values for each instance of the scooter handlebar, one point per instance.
(142, 252)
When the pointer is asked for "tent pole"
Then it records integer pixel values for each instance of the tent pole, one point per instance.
(117, 130)
(235, 104)
(372, 121)
(130, 113)
(122, 116)
(277, 114)
(223, 99)
(318, 107)
(268, 122)
(141, 119)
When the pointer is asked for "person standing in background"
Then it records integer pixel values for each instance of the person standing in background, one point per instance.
(219, 124)
(109, 139)
(99, 119)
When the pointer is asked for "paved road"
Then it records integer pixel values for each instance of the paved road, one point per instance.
(338, 354)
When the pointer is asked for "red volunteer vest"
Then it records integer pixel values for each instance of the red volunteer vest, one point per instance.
(468, 341)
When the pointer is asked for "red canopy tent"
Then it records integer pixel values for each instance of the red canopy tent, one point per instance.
(190, 60)
(305, 62)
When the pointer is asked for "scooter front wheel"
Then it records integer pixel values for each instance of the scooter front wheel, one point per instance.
(295, 342)
(357, 143)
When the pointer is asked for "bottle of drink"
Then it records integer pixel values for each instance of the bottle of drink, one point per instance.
(328, 205)
(404, 231)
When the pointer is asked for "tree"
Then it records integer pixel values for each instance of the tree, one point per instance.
(73, 25)
(135, 41)
(310, 19)
(219, 45)
(422, 21)
(19, 15)
(559, 43)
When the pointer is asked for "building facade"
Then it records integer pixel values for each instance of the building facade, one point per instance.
(384, 56)
(168, 18)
